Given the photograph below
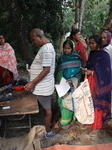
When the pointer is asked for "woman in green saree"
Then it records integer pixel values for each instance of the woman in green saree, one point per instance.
(68, 66)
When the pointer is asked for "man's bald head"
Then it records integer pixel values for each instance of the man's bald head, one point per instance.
(37, 32)
(37, 37)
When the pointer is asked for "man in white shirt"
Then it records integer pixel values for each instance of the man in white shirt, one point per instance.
(42, 74)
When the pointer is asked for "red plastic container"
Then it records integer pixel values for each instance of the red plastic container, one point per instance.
(19, 87)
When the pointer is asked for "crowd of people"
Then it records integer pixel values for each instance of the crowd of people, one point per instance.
(95, 55)
(98, 69)
(73, 57)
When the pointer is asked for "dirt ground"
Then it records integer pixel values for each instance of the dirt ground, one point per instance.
(75, 135)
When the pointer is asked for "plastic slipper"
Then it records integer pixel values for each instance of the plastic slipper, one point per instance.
(94, 133)
(52, 134)
(60, 143)
(65, 127)
(64, 142)
(55, 143)
(48, 134)
(85, 127)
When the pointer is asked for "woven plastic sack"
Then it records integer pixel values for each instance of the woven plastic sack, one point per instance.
(68, 101)
(29, 141)
(83, 103)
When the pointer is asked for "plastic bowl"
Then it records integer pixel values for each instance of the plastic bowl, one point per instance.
(19, 87)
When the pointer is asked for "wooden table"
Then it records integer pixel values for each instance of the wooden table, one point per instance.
(21, 104)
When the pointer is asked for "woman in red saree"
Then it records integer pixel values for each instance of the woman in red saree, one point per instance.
(99, 77)
(8, 63)
(79, 45)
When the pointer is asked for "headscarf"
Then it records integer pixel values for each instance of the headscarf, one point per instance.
(70, 64)
(109, 36)
(99, 60)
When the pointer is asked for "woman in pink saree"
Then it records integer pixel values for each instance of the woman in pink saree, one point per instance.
(8, 63)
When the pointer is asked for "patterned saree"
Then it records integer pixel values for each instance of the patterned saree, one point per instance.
(68, 66)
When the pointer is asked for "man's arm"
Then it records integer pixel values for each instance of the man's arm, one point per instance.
(31, 84)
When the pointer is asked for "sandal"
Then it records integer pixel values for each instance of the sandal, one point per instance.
(64, 142)
(85, 127)
(65, 127)
(60, 143)
(49, 134)
(55, 143)
(94, 133)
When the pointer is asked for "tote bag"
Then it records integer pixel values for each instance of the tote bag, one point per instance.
(83, 103)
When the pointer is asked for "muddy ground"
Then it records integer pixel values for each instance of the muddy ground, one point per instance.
(75, 135)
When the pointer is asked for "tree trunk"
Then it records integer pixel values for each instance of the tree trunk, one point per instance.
(79, 13)
(20, 30)
(108, 21)
(61, 44)
(82, 2)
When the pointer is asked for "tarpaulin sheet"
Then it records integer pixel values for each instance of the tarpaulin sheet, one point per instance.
(77, 147)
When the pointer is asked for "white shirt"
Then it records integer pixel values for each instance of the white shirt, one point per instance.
(44, 58)
(108, 49)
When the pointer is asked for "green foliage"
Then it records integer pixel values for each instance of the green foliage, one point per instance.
(7, 27)
(55, 17)
(94, 16)
(21, 63)
(68, 20)
(44, 14)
